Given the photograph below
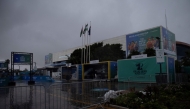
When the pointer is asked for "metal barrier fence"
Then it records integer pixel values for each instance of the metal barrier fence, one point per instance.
(22, 97)
(77, 95)
(59, 96)
(62, 95)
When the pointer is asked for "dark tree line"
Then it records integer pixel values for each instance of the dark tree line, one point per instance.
(98, 51)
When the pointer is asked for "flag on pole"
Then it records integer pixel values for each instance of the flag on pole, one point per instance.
(85, 29)
(89, 31)
(81, 32)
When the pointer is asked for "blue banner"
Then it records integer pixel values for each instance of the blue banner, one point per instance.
(171, 69)
(38, 78)
(3, 65)
(21, 58)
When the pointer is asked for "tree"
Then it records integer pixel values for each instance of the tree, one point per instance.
(186, 59)
(178, 66)
(99, 52)
(108, 52)
(75, 57)
(7, 61)
(150, 52)
(93, 49)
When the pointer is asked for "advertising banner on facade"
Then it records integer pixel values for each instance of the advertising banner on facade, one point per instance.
(21, 58)
(169, 43)
(139, 41)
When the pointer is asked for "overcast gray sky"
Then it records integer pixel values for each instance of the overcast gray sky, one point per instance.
(47, 26)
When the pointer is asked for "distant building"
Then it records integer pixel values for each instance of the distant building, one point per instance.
(181, 49)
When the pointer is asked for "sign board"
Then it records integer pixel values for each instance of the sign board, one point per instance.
(160, 56)
(3, 65)
(139, 56)
(21, 58)
(150, 38)
(94, 61)
(139, 70)
(142, 40)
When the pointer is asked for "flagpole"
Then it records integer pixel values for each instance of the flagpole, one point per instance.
(89, 41)
(87, 48)
(82, 51)
(84, 47)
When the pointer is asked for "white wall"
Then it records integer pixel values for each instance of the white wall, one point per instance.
(60, 56)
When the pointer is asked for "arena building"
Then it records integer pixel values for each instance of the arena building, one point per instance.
(59, 58)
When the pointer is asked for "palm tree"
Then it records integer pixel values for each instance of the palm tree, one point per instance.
(7, 61)
(186, 59)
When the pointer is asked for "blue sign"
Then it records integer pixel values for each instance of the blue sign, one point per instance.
(21, 58)
(38, 78)
(3, 65)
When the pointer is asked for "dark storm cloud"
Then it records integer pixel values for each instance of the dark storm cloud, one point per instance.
(47, 26)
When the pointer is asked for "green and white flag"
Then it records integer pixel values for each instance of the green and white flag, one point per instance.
(85, 29)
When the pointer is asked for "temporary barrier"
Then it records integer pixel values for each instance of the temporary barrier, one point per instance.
(22, 97)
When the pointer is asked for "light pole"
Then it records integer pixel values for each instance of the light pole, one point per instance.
(32, 82)
(159, 48)
(19, 67)
(35, 68)
(19, 70)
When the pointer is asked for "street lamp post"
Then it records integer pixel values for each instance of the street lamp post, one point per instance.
(19, 67)
(19, 70)
(32, 82)
(161, 76)
(159, 48)
(35, 68)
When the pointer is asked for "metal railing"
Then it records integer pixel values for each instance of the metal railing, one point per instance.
(73, 95)
(22, 97)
